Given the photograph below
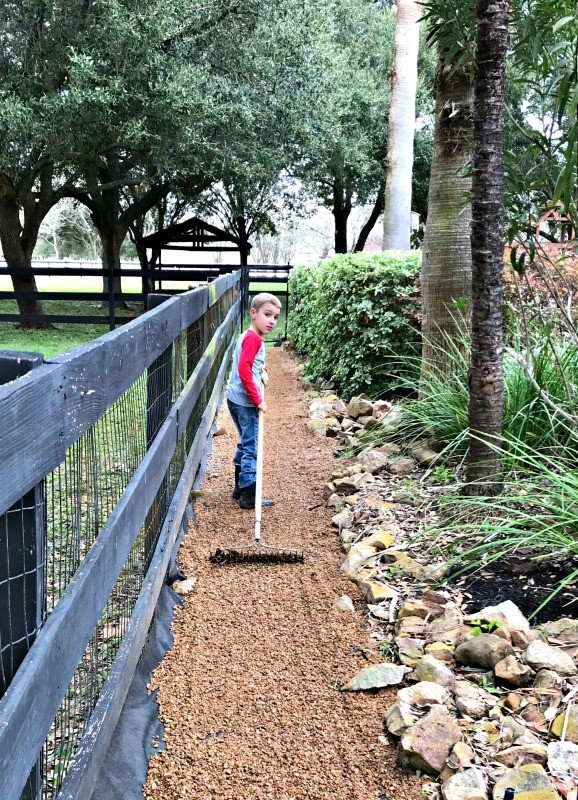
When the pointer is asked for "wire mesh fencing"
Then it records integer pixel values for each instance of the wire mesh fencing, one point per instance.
(45, 537)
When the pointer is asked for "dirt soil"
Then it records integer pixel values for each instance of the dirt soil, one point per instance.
(249, 694)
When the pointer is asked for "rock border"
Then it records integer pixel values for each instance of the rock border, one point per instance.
(487, 701)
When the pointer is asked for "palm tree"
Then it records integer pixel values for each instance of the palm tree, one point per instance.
(399, 161)
(486, 378)
(446, 274)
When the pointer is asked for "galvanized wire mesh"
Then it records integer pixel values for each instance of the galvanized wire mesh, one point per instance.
(70, 509)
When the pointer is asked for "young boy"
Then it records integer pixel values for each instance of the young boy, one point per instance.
(244, 393)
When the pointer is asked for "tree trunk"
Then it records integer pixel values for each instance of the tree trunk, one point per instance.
(19, 256)
(446, 273)
(147, 284)
(106, 218)
(372, 219)
(399, 161)
(111, 239)
(341, 212)
(486, 377)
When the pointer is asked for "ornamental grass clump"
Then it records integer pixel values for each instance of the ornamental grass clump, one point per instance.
(541, 394)
(536, 516)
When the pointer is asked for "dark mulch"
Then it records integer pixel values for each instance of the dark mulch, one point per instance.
(527, 590)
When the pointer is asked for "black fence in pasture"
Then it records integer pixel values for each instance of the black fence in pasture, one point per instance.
(112, 307)
(99, 450)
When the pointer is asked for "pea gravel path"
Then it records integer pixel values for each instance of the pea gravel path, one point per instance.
(249, 694)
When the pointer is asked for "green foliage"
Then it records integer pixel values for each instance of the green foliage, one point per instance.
(354, 316)
(479, 627)
(441, 475)
(439, 406)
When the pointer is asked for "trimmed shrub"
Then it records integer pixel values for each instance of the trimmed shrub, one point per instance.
(354, 316)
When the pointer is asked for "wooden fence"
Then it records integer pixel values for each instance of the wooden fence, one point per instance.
(99, 450)
(111, 313)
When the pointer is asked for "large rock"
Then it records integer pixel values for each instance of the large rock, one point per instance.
(412, 626)
(359, 406)
(346, 485)
(467, 785)
(513, 672)
(423, 694)
(410, 651)
(483, 651)
(344, 603)
(409, 566)
(507, 613)
(414, 607)
(320, 427)
(402, 466)
(547, 679)
(568, 718)
(426, 745)
(525, 779)
(434, 671)
(451, 619)
(423, 454)
(339, 409)
(520, 754)
(342, 520)
(390, 449)
(376, 677)
(375, 591)
(441, 651)
(540, 655)
(564, 630)
(383, 507)
(381, 539)
(563, 761)
(357, 557)
(374, 461)
(398, 718)
(472, 701)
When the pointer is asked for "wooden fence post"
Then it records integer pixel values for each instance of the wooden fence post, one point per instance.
(159, 402)
(22, 567)
(159, 381)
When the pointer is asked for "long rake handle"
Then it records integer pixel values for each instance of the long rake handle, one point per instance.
(259, 478)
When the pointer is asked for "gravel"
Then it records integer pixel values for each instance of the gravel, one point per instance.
(249, 694)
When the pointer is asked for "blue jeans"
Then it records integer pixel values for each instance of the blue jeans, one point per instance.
(246, 419)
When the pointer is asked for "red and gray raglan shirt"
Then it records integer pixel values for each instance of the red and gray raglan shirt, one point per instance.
(246, 373)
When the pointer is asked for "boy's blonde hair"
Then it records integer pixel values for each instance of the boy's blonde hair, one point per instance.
(264, 297)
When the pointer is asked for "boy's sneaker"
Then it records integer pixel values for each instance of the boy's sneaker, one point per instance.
(247, 498)
(236, 490)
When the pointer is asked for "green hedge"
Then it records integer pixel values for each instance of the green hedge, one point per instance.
(354, 316)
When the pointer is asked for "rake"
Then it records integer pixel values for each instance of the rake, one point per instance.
(257, 552)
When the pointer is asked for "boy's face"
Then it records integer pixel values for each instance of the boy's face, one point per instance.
(265, 319)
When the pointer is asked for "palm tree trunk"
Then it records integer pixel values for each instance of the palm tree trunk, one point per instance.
(486, 376)
(399, 161)
(446, 274)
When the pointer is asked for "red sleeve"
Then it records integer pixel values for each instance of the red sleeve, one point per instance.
(250, 346)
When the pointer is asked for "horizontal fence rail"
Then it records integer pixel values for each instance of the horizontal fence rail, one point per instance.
(109, 307)
(106, 440)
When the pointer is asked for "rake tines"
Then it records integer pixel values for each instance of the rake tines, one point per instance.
(256, 554)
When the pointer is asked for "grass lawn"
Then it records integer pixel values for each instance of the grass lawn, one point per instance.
(63, 336)
(66, 336)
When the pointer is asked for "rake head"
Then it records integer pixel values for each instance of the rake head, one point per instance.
(256, 553)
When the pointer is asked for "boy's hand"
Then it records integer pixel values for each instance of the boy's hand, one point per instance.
(262, 406)
(265, 377)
